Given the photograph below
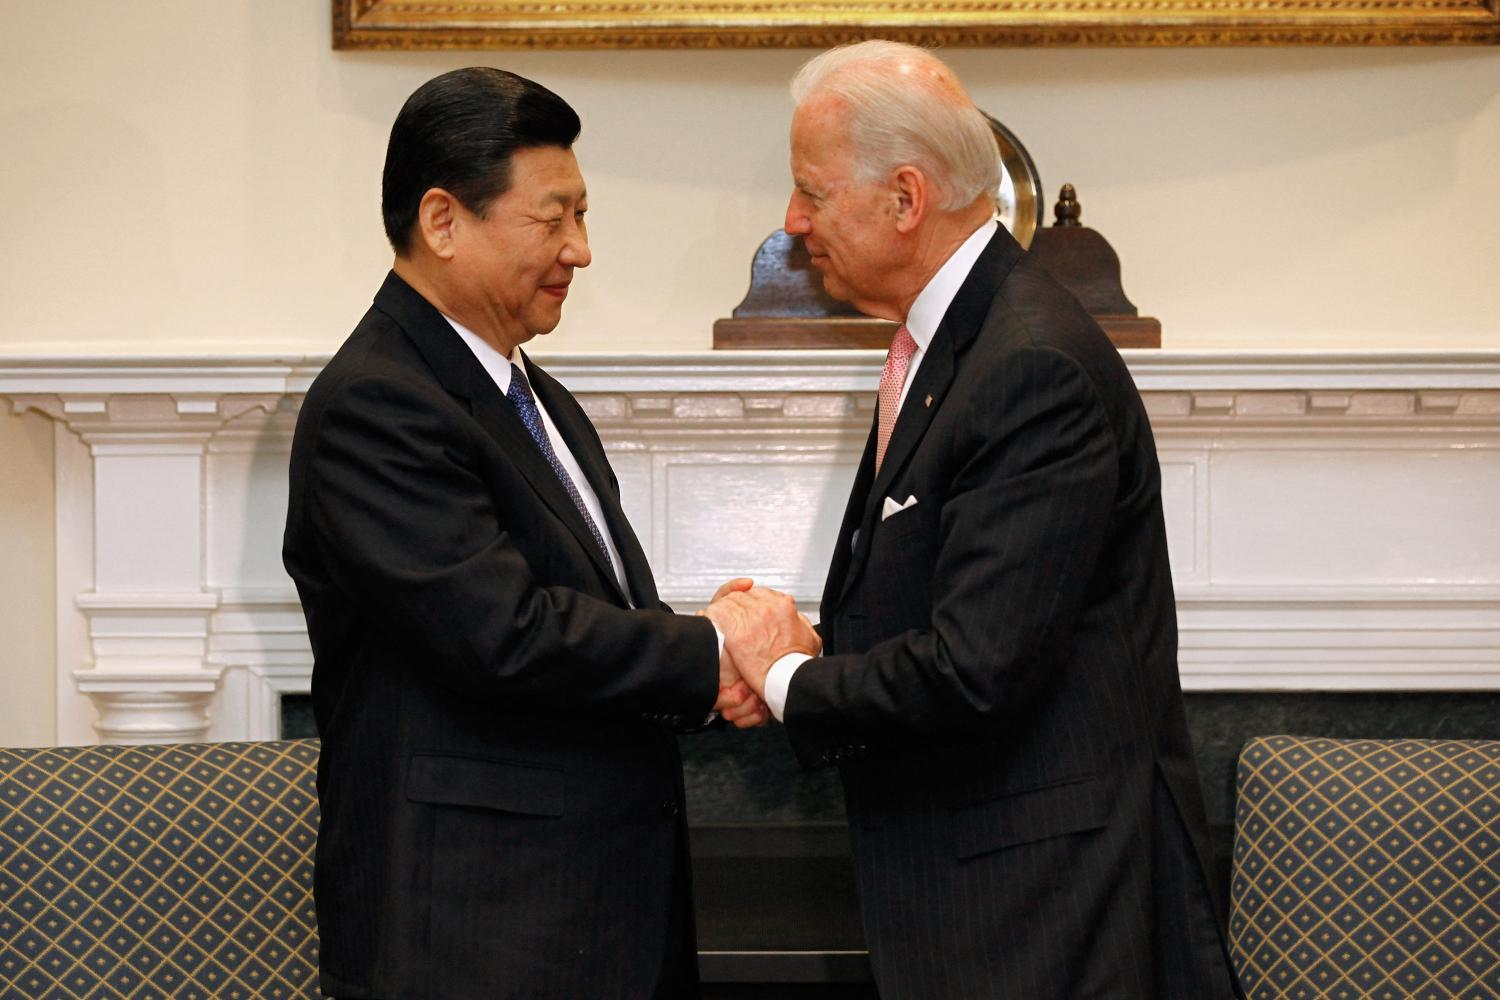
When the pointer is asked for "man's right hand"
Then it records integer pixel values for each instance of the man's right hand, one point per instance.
(760, 626)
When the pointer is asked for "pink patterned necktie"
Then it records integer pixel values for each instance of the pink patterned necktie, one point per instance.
(891, 381)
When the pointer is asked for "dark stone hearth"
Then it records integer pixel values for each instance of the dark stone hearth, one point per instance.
(735, 777)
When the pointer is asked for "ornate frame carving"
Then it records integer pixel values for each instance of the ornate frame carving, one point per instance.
(631, 24)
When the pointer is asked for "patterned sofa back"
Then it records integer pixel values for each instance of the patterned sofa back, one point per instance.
(1367, 868)
(159, 871)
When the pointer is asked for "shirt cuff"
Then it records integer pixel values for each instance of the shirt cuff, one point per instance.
(779, 679)
(718, 634)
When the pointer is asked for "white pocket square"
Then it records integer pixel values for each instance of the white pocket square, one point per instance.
(892, 507)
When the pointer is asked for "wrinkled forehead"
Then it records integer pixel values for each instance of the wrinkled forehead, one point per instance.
(822, 107)
(824, 156)
(820, 126)
(546, 175)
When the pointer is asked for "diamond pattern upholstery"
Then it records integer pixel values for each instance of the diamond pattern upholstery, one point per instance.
(167, 871)
(1367, 869)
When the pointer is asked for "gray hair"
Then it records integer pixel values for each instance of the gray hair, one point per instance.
(905, 106)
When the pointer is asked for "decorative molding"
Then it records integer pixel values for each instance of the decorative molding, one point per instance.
(260, 632)
(1329, 514)
(268, 683)
(236, 383)
(1340, 639)
(149, 706)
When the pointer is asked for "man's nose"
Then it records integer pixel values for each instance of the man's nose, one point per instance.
(575, 252)
(796, 222)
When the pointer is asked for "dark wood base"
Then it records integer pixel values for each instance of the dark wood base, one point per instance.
(861, 333)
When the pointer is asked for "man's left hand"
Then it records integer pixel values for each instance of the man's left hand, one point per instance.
(741, 706)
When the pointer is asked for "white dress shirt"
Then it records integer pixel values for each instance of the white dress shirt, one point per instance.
(922, 322)
(498, 367)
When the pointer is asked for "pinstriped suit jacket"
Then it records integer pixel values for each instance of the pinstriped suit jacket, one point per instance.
(999, 680)
(500, 785)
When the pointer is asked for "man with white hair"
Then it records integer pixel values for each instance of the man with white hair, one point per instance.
(998, 684)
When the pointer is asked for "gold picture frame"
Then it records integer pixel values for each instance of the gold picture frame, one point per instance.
(627, 24)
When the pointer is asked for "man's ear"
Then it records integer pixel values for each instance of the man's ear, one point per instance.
(437, 215)
(911, 195)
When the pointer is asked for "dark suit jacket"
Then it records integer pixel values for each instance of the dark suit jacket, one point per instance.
(999, 679)
(500, 785)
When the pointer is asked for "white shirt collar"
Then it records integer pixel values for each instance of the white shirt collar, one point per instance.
(497, 364)
(933, 301)
(498, 367)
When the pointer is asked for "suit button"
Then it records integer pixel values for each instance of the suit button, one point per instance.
(669, 808)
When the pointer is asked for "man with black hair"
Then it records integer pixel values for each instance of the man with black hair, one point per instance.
(496, 683)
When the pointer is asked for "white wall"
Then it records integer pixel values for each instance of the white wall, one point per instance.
(189, 176)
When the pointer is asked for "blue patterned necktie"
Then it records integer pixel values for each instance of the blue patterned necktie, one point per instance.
(520, 397)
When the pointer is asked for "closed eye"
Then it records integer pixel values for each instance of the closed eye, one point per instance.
(554, 221)
(816, 199)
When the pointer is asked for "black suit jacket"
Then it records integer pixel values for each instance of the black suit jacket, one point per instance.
(500, 785)
(999, 679)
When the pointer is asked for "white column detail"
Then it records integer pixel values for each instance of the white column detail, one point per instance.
(140, 600)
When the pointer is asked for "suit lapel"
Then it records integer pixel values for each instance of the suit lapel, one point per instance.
(924, 397)
(461, 374)
(494, 411)
(838, 570)
(584, 444)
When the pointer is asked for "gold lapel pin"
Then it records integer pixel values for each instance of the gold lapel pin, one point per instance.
(929, 400)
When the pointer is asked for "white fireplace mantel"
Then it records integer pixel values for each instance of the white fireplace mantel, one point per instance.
(1331, 516)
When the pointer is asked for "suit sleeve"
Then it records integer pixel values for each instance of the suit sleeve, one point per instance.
(409, 531)
(1018, 538)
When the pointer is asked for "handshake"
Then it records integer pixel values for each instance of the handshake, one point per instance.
(760, 626)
